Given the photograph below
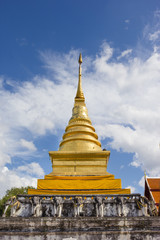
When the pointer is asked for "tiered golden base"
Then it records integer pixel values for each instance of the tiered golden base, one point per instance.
(81, 192)
(79, 185)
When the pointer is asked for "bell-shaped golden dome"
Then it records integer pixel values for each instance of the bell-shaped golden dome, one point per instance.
(80, 134)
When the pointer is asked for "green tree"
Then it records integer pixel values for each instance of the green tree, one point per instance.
(10, 193)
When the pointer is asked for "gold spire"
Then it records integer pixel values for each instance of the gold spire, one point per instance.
(80, 134)
(80, 58)
(79, 89)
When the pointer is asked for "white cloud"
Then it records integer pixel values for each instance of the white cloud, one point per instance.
(62, 66)
(125, 53)
(28, 144)
(32, 169)
(122, 166)
(141, 182)
(10, 178)
(133, 189)
(152, 30)
(23, 176)
(35, 107)
(22, 41)
(5, 170)
(106, 52)
(154, 36)
(126, 21)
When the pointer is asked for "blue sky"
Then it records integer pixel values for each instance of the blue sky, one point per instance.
(39, 47)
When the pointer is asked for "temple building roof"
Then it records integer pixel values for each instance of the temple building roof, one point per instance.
(152, 190)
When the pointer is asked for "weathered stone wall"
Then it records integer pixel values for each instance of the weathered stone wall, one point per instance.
(80, 228)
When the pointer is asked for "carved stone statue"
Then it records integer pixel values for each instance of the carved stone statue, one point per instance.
(38, 208)
(142, 204)
(58, 206)
(50, 208)
(99, 207)
(15, 206)
(120, 206)
(78, 206)
(8, 203)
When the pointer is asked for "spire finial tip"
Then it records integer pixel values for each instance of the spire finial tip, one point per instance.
(80, 58)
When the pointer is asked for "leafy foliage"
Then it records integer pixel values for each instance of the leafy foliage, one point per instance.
(10, 193)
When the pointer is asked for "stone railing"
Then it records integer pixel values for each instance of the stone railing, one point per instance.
(80, 206)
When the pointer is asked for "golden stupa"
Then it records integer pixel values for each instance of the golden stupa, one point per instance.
(80, 164)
